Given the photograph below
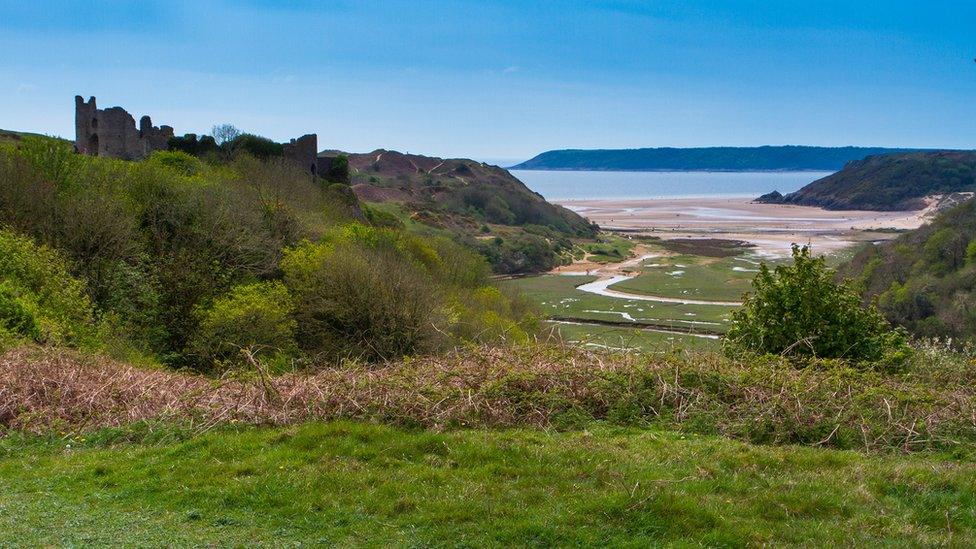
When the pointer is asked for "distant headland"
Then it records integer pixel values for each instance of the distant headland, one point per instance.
(730, 159)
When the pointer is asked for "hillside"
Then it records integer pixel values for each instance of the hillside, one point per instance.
(925, 279)
(767, 158)
(10, 136)
(889, 182)
(232, 352)
(525, 446)
(516, 228)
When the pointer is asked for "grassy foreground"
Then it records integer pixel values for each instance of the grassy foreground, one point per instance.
(358, 484)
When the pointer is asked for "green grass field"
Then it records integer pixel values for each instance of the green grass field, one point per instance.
(557, 296)
(615, 338)
(353, 484)
(694, 277)
(611, 249)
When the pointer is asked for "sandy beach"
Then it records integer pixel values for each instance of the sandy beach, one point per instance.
(770, 227)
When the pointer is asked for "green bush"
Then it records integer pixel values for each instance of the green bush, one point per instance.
(377, 294)
(362, 294)
(519, 254)
(798, 310)
(255, 145)
(255, 317)
(338, 170)
(54, 158)
(16, 315)
(189, 144)
(39, 298)
(485, 314)
(381, 218)
(182, 162)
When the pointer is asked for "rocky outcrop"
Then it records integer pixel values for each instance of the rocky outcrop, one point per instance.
(774, 197)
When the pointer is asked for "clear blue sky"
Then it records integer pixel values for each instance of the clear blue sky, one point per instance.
(505, 79)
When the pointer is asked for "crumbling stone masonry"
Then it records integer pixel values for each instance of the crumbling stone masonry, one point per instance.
(304, 151)
(113, 133)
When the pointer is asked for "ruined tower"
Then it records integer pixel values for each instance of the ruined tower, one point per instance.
(113, 133)
(304, 152)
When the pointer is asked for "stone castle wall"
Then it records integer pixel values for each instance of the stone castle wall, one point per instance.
(113, 132)
(304, 151)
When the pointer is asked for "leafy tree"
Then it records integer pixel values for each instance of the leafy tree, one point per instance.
(255, 145)
(225, 133)
(191, 145)
(338, 170)
(798, 310)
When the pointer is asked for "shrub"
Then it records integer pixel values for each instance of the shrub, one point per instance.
(361, 296)
(39, 299)
(257, 317)
(798, 310)
(381, 218)
(338, 170)
(519, 254)
(16, 316)
(255, 145)
(485, 314)
(189, 144)
(181, 162)
(53, 158)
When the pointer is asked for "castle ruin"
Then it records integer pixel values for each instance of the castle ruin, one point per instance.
(304, 151)
(113, 133)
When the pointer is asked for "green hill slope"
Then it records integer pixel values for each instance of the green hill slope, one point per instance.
(515, 228)
(925, 279)
(889, 182)
(350, 484)
(10, 136)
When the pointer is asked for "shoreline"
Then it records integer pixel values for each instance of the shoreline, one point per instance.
(772, 228)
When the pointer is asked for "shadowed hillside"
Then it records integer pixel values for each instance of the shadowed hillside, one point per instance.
(888, 183)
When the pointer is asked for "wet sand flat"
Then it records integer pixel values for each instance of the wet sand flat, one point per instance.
(771, 227)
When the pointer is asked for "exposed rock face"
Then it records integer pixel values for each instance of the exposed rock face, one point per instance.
(113, 133)
(304, 152)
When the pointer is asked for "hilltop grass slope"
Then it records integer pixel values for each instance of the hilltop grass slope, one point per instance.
(516, 229)
(528, 446)
(349, 484)
(767, 158)
(189, 261)
(896, 182)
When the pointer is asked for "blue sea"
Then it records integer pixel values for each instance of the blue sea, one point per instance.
(573, 185)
